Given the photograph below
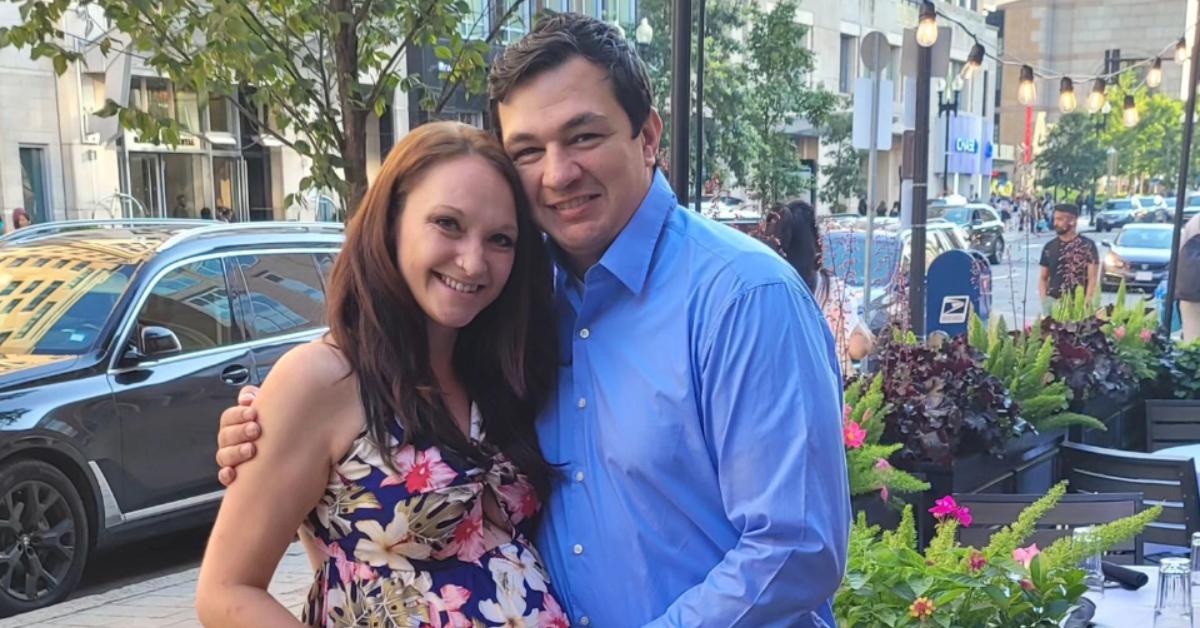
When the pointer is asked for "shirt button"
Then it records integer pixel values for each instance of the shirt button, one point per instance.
(584, 333)
(578, 549)
(583, 621)
(578, 478)
(583, 402)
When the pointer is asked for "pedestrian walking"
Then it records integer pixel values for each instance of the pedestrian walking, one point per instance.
(741, 431)
(1187, 284)
(862, 207)
(1068, 261)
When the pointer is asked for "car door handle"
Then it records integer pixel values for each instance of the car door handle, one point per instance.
(236, 374)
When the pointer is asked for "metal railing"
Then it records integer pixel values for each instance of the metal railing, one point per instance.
(222, 227)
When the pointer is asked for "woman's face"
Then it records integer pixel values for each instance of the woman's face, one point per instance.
(456, 239)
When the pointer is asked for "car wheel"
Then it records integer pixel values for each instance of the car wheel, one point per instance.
(997, 251)
(43, 536)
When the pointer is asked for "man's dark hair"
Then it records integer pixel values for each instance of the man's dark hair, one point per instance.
(557, 39)
(1067, 208)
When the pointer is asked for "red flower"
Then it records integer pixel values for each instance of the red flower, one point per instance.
(921, 608)
(978, 560)
(1146, 335)
(1119, 332)
(1027, 584)
(947, 507)
(854, 435)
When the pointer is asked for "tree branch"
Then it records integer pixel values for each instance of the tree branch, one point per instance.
(389, 67)
(496, 28)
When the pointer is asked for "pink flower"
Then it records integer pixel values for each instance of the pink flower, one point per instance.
(467, 543)
(846, 411)
(978, 560)
(943, 507)
(420, 471)
(1027, 584)
(882, 465)
(883, 493)
(347, 569)
(963, 515)
(552, 615)
(854, 435)
(1145, 335)
(1119, 332)
(451, 601)
(520, 500)
(1024, 555)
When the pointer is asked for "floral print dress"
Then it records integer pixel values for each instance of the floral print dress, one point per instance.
(410, 547)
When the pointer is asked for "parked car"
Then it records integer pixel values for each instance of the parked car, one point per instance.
(844, 254)
(1139, 256)
(985, 229)
(120, 344)
(1192, 207)
(1116, 214)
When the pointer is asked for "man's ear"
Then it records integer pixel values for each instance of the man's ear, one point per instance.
(651, 137)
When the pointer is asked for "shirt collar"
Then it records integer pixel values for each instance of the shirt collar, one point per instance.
(628, 257)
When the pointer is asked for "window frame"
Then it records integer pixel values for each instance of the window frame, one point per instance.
(236, 327)
(248, 294)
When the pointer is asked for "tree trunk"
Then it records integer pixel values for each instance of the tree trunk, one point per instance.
(354, 114)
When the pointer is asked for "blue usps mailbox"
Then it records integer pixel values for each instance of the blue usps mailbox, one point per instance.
(959, 282)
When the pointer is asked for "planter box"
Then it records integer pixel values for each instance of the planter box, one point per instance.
(1171, 423)
(1027, 466)
(878, 513)
(1124, 418)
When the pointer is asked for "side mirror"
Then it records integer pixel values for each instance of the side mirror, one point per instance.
(1106, 244)
(158, 342)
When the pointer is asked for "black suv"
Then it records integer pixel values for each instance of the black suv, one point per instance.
(120, 344)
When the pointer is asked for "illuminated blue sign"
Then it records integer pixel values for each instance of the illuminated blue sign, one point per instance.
(966, 145)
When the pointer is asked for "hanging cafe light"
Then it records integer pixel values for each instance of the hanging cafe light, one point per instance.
(1154, 76)
(974, 62)
(927, 29)
(1027, 91)
(1097, 99)
(1131, 112)
(1066, 96)
(1181, 51)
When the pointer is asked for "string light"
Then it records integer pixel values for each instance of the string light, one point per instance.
(974, 62)
(1066, 96)
(927, 30)
(1154, 76)
(1097, 99)
(1027, 91)
(1131, 112)
(1181, 51)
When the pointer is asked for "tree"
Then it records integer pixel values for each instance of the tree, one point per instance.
(1072, 156)
(779, 69)
(301, 66)
(844, 177)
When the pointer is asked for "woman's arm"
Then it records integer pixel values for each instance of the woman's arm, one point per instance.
(303, 406)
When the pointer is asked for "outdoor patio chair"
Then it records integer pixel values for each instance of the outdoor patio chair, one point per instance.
(1171, 423)
(991, 512)
(1165, 481)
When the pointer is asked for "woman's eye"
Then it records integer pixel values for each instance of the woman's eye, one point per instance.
(449, 224)
(503, 241)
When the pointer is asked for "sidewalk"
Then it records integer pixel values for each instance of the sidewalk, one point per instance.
(164, 601)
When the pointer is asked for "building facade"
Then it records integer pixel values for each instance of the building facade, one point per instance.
(1073, 37)
(960, 141)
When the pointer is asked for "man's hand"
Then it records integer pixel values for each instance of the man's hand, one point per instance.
(235, 439)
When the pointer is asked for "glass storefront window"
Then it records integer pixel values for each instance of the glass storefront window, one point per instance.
(619, 11)
(219, 118)
(159, 101)
(181, 184)
(187, 107)
(225, 187)
(586, 7)
(476, 23)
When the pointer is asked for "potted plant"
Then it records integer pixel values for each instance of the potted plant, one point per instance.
(873, 478)
(889, 582)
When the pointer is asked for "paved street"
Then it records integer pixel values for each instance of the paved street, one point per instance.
(161, 600)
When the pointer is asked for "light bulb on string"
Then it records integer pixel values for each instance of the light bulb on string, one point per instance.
(1131, 112)
(1097, 99)
(1027, 91)
(927, 30)
(1181, 51)
(1154, 76)
(974, 62)
(1066, 96)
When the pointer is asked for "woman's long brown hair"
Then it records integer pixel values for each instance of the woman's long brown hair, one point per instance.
(506, 356)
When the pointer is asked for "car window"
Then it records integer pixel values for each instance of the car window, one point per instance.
(1145, 238)
(1120, 205)
(63, 311)
(285, 292)
(325, 266)
(193, 302)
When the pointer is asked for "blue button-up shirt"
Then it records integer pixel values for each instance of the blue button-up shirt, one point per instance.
(698, 425)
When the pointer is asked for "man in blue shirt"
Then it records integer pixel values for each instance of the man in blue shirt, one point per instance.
(698, 413)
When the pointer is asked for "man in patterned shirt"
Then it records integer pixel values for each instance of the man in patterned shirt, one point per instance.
(1068, 261)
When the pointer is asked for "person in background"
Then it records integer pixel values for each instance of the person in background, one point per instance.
(224, 214)
(20, 218)
(862, 206)
(881, 209)
(180, 209)
(1068, 261)
(895, 209)
(1187, 285)
(793, 232)
(206, 213)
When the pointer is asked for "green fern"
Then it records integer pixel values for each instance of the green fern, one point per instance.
(1067, 419)
(1066, 552)
(1013, 536)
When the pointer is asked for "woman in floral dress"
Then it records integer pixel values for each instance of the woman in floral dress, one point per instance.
(421, 400)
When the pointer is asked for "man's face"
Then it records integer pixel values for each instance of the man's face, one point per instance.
(1064, 223)
(584, 168)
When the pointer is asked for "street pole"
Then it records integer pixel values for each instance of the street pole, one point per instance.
(1189, 125)
(916, 271)
(945, 145)
(700, 108)
(681, 83)
(872, 172)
